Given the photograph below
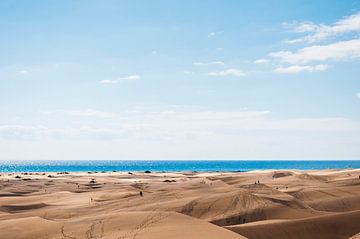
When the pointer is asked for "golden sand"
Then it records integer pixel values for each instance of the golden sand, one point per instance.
(284, 204)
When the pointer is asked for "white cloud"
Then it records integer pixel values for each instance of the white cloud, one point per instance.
(219, 49)
(261, 61)
(23, 73)
(185, 135)
(120, 79)
(342, 50)
(228, 72)
(82, 113)
(198, 63)
(131, 77)
(160, 125)
(209, 63)
(301, 68)
(213, 34)
(218, 63)
(318, 32)
(90, 113)
(40, 133)
(21, 132)
(358, 95)
(188, 72)
(108, 81)
(178, 124)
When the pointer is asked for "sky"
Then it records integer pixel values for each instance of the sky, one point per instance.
(179, 79)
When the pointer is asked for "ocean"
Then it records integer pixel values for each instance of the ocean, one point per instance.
(171, 165)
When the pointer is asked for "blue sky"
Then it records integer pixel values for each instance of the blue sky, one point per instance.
(179, 80)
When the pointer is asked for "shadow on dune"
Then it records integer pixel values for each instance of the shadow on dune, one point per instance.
(22, 207)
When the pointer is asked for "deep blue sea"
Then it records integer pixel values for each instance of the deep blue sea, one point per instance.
(169, 165)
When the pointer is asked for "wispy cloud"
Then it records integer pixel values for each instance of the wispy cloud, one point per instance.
(188, 72)
(23, 73)
(342, 50)
(318, 32)
(179, 124)
(21, 132)
(120, 79)
(301, 68)
(305, 58)
(228, 72)
(194, 134)
(108, 81)
(221, 63)
(213, 34)
(358, 95)
(35, 71)
(261, 61)
(82, 113)
(41, 133)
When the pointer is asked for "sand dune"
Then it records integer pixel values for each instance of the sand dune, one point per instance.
(139, 225)
(258, 204)
(339, 226)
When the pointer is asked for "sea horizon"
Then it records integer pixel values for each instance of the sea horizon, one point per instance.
(171, 165)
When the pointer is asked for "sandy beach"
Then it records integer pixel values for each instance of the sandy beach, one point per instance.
(255, 205)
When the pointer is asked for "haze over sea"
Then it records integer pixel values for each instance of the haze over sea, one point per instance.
(171, 165)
